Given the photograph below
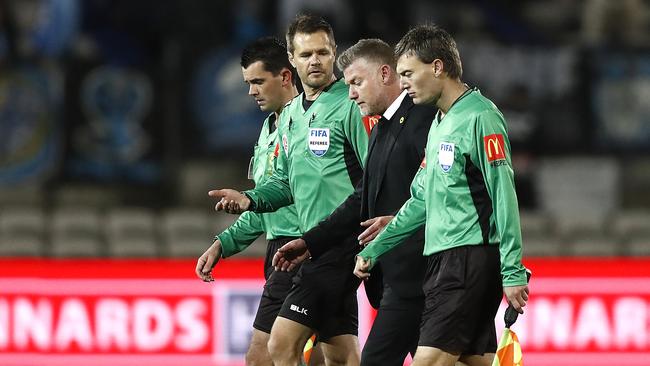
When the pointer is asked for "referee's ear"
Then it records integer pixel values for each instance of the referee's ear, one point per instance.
(287, 77)
(290, 56)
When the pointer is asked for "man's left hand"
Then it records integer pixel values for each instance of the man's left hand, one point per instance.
(517, 296)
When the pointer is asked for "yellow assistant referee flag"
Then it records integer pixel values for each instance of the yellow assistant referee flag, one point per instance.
(309, 347)
(509, 350)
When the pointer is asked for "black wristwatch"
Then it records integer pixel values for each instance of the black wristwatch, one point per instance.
(252, 206)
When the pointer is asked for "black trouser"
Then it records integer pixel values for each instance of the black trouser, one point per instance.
(395, 331)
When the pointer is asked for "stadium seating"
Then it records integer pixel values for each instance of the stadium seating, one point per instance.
(186, 231)
(22, 231)
(132, 232)
(76, 232)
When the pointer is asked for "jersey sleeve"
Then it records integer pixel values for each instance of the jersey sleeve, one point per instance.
(408, 220)
(275, 192)
(493, 154)
(335, 228)
(356, 133)
(242, 233)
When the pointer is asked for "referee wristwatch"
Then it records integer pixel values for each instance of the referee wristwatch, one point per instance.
(252, 206)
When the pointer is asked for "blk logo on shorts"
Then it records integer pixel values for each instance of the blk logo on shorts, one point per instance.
(298, 309)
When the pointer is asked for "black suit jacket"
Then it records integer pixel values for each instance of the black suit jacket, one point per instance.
(395, 151)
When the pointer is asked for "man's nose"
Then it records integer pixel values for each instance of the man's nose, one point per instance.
(352, 93)
(315, 59)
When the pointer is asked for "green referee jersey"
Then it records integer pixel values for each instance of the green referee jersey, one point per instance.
(464, 191)
(250, 225)
(322, 151)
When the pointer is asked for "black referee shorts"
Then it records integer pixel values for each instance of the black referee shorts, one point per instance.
(276, 288)
(324, 298)
(462, 288)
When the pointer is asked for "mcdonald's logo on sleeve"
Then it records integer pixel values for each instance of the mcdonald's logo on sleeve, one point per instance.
(494, 147)
(369, 122)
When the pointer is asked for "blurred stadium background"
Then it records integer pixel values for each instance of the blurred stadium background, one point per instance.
(117, 117)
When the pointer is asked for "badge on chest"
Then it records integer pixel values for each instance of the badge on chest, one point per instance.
(319, 141)
(285, 145)
(446, 156)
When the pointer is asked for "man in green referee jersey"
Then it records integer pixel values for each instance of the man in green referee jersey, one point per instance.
(464, 192)
(271, 82)
(324, 143)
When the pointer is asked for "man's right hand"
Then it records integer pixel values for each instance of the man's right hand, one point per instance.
(374, 227)
(290, 255)
(362, 268)
(207, 262)
(230, 200)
